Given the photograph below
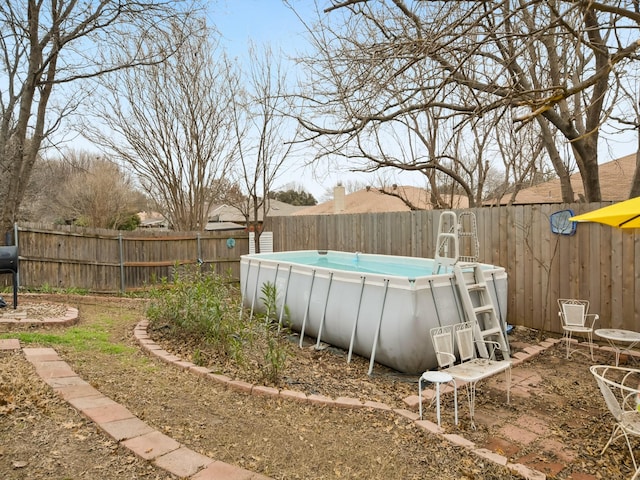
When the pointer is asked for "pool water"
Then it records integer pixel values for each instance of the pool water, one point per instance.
(358, 262)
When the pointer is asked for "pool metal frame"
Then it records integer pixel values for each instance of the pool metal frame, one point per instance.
(311, 293)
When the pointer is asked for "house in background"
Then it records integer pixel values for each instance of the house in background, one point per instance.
(615, 184)
(221, 217)
(227, 217)
(372, 200)
(152, 220)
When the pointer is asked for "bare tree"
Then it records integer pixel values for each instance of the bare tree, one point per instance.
(171, 123)
(266, 131)
(96, 194)
(552, 61)
(627, 118)
(83, 188)
(49, 45)
(46, 177)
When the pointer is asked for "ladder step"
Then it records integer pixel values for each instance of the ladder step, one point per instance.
(491, 331)
(467, 266)
(483, 309)
(448, 235)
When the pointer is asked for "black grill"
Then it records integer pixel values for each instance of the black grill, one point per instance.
(9, 264)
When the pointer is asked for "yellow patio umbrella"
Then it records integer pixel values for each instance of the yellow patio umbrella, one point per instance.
(621, 215)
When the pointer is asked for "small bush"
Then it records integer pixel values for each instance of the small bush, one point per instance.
(275, 348)
(205, 309)
(200, 305)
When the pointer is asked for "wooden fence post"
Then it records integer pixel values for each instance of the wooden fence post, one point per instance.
(121, 251)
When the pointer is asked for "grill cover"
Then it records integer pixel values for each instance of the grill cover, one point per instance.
(9, 259)
(9, 264)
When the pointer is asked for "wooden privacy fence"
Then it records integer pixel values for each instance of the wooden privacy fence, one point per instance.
(108, 262)
(598, 263)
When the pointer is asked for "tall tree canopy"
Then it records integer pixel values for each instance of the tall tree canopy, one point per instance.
(294, 197)
(263, 120)
(48, 47)
(82, 188)
(172, 123)
(384, 70)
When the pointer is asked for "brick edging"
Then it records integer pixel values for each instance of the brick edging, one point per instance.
(122, 425)
(70, 317)
(145, 341)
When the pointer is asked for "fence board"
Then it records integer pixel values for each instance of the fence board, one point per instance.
(520, 262)
(634, 290)
(101, 260)
(578, 282)
(556, 250)
(617, 268)
(630, 302)
(592, 278)
(538, 265)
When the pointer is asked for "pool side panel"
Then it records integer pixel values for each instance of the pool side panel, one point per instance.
(411, 306)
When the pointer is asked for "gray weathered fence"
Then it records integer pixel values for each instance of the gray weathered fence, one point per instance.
(107, 261)
(598, 263)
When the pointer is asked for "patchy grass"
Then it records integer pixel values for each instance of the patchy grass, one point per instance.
(91, 336)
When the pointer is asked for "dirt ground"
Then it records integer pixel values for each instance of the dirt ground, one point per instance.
(43, 437)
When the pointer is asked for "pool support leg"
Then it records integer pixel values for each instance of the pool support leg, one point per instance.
(306, 311)
(355, 321)
(244, 292)
(255, 291)
(435, 305)
(275, 300)
(284, 300)
(375, 340)
(324, 311)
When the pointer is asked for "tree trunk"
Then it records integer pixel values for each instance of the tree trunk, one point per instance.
(566, 188)
(635, 184)
(586, 153)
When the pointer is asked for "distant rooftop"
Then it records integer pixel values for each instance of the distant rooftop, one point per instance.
(373, 200)
(228, 213)
(615, 184)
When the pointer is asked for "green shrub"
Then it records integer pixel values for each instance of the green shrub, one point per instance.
(200, 305)
(206, 308)
(275, 348)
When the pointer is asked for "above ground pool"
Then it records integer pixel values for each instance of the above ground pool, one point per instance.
(380, 307)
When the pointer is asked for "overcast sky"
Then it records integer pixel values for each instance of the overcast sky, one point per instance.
(271, 21)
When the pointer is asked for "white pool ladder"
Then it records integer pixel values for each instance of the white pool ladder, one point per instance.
(489, 326)
(447, 244)
(458, 233)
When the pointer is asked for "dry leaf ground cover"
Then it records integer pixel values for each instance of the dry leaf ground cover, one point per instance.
(276, 437)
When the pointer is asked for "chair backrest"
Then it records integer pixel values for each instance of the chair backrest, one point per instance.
(465, 340)
(442, 339)
(620, 387)
(574, 312)
(605, 386)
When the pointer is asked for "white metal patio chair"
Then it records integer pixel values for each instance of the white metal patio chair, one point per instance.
(442, 339)
(576, 319)
(471, 369)
(620, 387)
